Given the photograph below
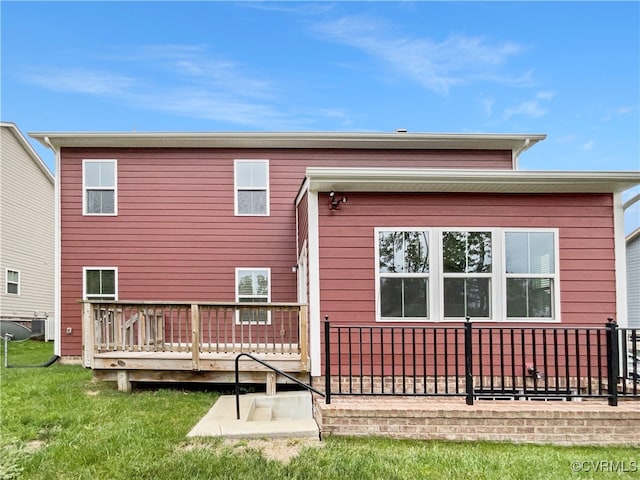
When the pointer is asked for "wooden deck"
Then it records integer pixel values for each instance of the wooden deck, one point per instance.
(193, 342)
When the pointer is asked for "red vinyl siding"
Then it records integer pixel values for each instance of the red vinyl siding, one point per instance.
(176, 236)
(585, 223)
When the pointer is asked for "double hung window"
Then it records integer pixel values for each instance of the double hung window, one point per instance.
(251, 185)
(530, 274)
(253, 285)
(13, 282)
(99, 180)
(403, 272)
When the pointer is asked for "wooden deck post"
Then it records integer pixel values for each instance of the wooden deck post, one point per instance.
(304, 339)
(271, 383)
(124, 384)
(88, 332)
(195, 337)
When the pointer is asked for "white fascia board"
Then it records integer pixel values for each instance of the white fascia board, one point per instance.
(29, 149)
(438, 180)
(301, 140)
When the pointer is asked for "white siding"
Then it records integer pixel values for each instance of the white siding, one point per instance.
(27, 228)
(633, 279)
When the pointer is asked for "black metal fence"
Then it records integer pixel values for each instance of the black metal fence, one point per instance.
(480, 362)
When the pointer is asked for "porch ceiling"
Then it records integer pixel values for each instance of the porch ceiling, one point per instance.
(489, 181)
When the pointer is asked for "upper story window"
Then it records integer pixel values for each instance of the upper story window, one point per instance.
(99, 184)
(13, 282)
(100, 283)
(253, 285)
(251, 187)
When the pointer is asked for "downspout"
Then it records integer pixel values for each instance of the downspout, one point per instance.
(57, 338)
(516, 154)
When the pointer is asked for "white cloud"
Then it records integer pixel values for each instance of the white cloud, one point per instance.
(436, 65)
(618, 112)
(80, 80)
(530, 108)
(185, 80)
(588, 145)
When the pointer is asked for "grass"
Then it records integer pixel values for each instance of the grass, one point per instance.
(58, 423)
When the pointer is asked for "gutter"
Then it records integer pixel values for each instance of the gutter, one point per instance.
(518, 151)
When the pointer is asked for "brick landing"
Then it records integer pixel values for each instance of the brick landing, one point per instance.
(562, 423)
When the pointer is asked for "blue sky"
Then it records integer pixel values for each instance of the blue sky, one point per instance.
(569, 70)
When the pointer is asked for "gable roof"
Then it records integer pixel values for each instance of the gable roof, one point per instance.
(11, 127)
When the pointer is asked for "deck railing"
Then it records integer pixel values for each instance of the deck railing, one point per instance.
(198, 328)
(482, 362)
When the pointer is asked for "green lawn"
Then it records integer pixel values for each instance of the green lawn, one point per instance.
(57, 423)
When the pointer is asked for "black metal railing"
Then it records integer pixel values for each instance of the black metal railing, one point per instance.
(480, 362)
(270, 367)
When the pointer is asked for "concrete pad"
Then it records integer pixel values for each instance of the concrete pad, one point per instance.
(290, 413)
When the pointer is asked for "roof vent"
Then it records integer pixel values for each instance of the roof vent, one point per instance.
(401, 130)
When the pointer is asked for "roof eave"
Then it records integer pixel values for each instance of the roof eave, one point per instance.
(299, 140)
(485, 181)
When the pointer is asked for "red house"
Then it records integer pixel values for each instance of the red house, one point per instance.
(180, 250)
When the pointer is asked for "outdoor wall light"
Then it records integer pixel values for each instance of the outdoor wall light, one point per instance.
(335, 201)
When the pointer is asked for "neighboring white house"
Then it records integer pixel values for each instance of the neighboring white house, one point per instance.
(27, 226)
(633, 278)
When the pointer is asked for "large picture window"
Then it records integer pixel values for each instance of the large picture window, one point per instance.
(448, 274)
(253, 285)
(99, 179)
(100, 283)
(251, 182)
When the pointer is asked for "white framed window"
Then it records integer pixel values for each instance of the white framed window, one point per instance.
(467, 273)
(251, 187)
(447, 274)
(100, 283)
(531, 278)
(99, 187)
(253, 285)
(402, 274)
(13, 282)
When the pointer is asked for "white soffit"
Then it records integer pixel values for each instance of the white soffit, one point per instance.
(501, 181)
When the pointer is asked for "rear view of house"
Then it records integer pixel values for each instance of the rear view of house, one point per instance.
(27, 238)
(177, 251)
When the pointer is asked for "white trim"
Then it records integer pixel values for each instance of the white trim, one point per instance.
(441, 275)
(29, 149)
(115, 187)
(236, 189)
(314, 285)
(431, 297)
(556, 316)
(6, 282)
(239, 271)
(299, 140)
(467, 180)
(57, 340)
(620, 252)
(84, 281)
